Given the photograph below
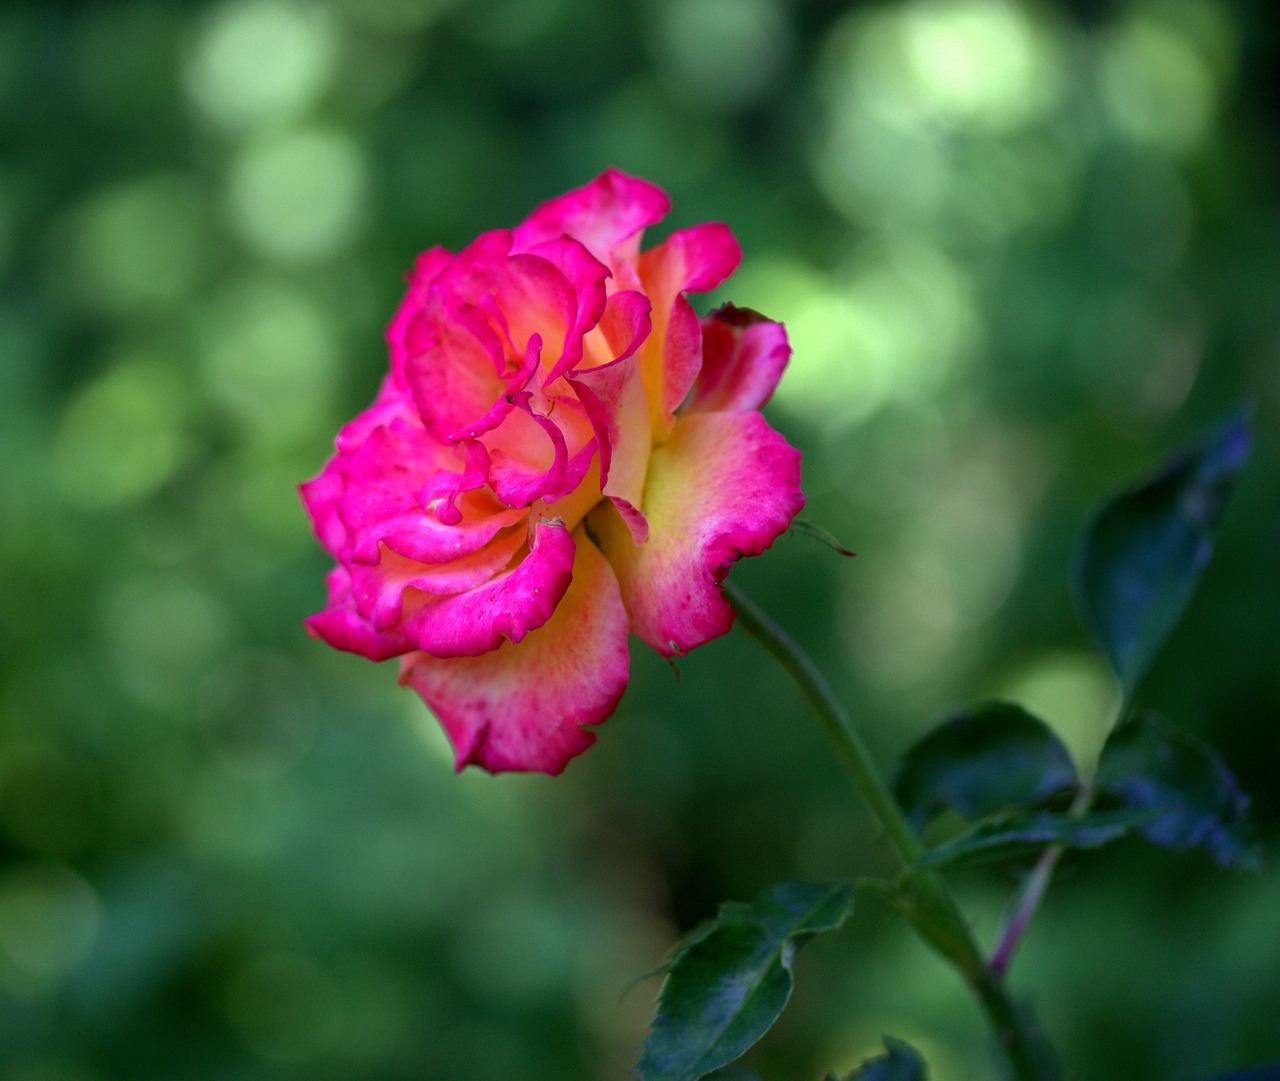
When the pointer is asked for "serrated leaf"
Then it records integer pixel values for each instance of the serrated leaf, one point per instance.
(1149, 763)
(1142, 555)
(729, 980)
(992, 758)
(1012, 836)
(901, 1062)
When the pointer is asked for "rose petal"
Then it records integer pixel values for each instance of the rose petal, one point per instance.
(523, 707)
(426, 269)
(454, 367)
(342, 627)
(586, 275)
(725, 485)
(614, 398)
(690, 260)
(743, 357)
(524, 294)
(379, 503)
(507, 607)
(607, 215)
(531, 454)
(379, 591)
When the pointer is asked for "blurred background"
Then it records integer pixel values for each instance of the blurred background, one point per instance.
(1023, 249)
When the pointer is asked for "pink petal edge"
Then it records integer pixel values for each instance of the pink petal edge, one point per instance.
(524, 707)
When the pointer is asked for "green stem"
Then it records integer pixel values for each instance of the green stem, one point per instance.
(848, 743)
(926, 901)
(1032, 893)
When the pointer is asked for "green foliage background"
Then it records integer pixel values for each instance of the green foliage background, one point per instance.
(1023, 250)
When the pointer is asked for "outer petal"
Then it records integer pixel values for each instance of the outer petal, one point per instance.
(724, 486)
(743, 357)
(507, 607)
(690, 260)
(426, 269)
(522, 707)
(607, 216)
(343, 627)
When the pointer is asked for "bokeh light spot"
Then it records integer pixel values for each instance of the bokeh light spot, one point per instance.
(141, 245)
(841, 361)
(1074, 693)
(723, 53)
(299, 196)
(48, 918)
(123, 436)
(257, 60)
(162, 634)
(1156, 85)
(269, 354)
(977, 61)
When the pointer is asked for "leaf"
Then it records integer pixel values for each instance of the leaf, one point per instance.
(811, 529)
(729, 979)
(1020, 834)
(902, 1062)
(1148, 763)
(1142, 555)
(994, 757)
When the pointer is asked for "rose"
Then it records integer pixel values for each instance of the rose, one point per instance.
(561, 453)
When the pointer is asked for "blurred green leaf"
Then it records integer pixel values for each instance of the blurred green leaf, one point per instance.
(1148, 763)
(1020, 834)
(730, 978)
(807, 528)
(1141, 556)
(901, 1062)
(994, 757)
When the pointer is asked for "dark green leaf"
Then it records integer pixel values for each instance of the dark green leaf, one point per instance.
(901, 1062)
(1016, 835)
(1141, 556)
(995, 757)
(1149, 763)
(728, 981)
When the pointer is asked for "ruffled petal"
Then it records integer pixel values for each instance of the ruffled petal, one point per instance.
(380, 500)
(743, 357)
(454, 367)
(506, 608)
(542, 450)
(608, 215)
(342, 627)
(379, 591)
(523, 707)
(426, 269)
(586, 275)
(725, 485)
(320, 496)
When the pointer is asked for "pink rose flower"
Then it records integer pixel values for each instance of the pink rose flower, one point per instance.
(562, 453)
